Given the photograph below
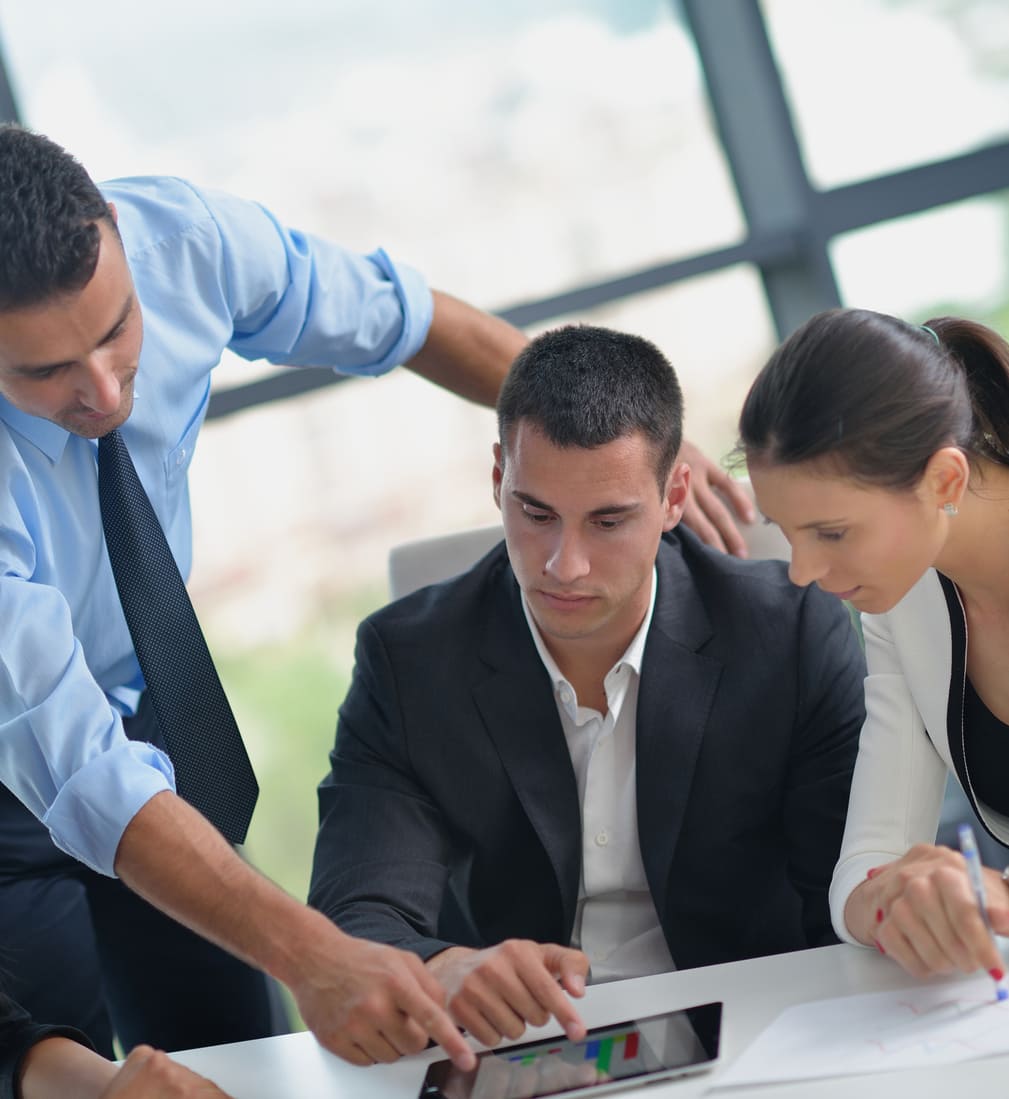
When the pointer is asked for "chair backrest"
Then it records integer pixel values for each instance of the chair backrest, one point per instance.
(412, 565)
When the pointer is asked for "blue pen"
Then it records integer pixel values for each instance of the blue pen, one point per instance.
(968, 847)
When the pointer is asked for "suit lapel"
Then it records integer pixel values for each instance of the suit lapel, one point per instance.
(674, 701)
(517, 704)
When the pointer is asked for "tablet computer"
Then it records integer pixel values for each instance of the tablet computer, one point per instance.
(608, 1058)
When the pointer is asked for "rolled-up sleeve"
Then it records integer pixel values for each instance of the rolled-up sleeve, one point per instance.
(93, 807)
(299, 300)
(63, 751)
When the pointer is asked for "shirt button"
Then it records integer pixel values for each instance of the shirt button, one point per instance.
(602, 838)
(181, 458)
(565, 695)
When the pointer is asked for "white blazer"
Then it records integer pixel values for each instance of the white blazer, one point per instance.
(916, 658)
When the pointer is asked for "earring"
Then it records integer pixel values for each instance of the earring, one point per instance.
(950, 508)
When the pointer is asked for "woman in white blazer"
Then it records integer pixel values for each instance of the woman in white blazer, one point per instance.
(881, 449)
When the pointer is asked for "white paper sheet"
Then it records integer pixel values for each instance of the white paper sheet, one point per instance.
(934, 1024)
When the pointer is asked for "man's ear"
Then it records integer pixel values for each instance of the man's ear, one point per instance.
(497, 474)
(676, 493)
(113, 213)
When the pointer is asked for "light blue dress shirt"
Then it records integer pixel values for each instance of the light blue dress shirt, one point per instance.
(211, 272)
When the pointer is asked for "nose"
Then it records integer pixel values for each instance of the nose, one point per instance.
(806, 566)
(99, 387)
(568, 562)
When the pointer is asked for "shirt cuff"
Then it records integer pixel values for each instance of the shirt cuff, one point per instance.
(848, 876)
(418, 311)
(92, 809)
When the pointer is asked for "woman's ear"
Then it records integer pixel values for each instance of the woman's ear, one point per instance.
(945, 478)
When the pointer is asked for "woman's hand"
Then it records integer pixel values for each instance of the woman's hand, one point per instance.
(922, 912)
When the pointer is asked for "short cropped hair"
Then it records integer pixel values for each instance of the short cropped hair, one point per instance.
(584, 386)
(50, 210)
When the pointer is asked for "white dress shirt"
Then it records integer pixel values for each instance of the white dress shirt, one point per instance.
(616, 924)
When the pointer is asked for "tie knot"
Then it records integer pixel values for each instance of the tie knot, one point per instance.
(113, 440)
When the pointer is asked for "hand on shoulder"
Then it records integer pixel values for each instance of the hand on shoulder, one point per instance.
(705, 510)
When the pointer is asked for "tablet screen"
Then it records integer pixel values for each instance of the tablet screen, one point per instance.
(655, 1047)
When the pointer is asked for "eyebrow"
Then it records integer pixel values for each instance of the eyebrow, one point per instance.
(813, 525)
(38, 368)
(607, 509)
(823, 523)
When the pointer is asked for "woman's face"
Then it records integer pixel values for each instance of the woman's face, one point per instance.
(865, 544)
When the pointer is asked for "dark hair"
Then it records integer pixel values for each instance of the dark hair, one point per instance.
(49, 214)
(878, 396)
(584, 386)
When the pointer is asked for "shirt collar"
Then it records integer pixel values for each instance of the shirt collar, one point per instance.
(633, 655)
(50, 438)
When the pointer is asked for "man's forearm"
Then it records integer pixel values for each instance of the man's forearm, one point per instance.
(363, 1001)
(178, 862)
(467, 350)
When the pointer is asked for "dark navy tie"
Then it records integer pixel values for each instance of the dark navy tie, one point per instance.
(212, 768)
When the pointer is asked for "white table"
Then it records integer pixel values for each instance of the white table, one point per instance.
(754, 992)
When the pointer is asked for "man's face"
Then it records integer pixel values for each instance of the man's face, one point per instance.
(583, 529)
(72, 359)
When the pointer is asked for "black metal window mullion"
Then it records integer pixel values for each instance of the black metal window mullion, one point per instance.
(8, 106)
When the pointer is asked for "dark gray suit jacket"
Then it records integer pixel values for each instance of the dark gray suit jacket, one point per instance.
(451, 812)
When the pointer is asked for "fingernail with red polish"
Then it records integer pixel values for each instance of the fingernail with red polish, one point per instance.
(879, 946)
(996, 974)
(879, 915)
(873, 872)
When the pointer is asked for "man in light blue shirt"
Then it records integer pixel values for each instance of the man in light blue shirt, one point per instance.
(132, 294)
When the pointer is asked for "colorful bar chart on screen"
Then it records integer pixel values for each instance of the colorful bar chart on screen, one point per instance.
(612, 1055)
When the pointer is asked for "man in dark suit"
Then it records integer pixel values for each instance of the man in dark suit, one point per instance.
(605, 745)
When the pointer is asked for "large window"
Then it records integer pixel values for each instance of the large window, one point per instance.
(511, 150)
(878, 85)
(950, 260)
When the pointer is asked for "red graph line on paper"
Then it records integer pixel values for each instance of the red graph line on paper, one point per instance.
(901, 1036)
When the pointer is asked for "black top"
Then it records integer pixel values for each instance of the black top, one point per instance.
(986, 749)
(17, 1036)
